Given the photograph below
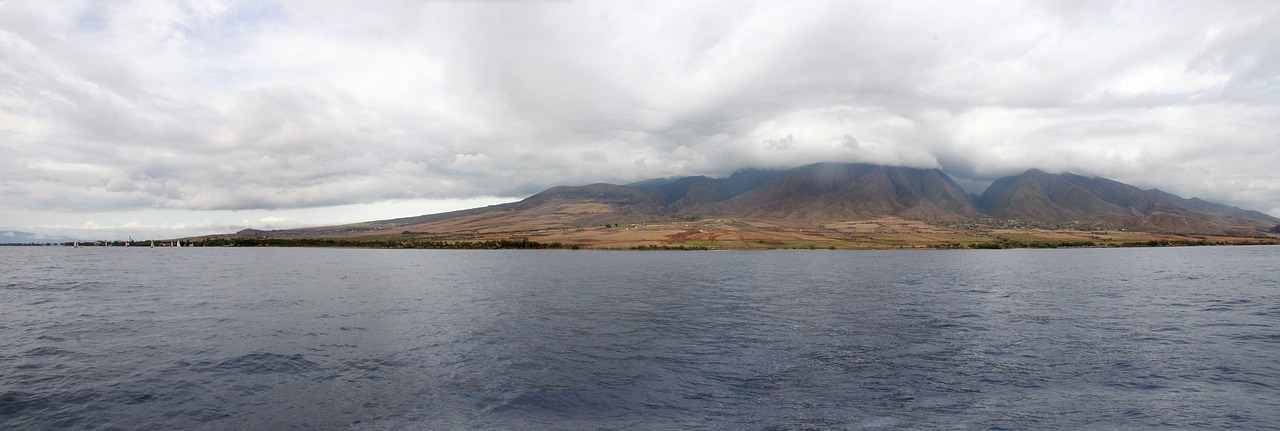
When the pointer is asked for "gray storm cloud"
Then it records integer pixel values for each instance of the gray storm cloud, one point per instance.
(227, 105)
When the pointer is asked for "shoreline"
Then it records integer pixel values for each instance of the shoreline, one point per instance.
(533, 245)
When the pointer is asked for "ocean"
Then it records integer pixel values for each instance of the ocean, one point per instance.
(349, 339)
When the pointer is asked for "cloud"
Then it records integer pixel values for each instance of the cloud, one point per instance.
(288, 105)
(786, 143)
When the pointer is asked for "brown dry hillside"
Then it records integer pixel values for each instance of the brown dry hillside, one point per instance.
(829, 205)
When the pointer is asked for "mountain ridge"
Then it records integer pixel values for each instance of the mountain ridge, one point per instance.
(823, 194)
(1067, 198)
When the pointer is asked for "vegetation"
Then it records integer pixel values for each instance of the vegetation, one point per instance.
(1001, 243)
(1163, 243)
(522, 244)
(668, 247)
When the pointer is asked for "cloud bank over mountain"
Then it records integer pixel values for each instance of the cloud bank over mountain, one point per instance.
(217, 109)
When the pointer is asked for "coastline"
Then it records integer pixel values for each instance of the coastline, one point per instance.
(882, 233)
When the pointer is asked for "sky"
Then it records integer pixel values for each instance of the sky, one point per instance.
(161, 119)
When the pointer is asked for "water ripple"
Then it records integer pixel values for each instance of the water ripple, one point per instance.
(382, 339)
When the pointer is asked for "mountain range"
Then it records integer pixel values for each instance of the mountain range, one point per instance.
(823, 193)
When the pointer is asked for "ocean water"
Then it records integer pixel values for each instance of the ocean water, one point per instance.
(337, 339)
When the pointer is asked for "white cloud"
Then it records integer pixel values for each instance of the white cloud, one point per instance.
(215, 106)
